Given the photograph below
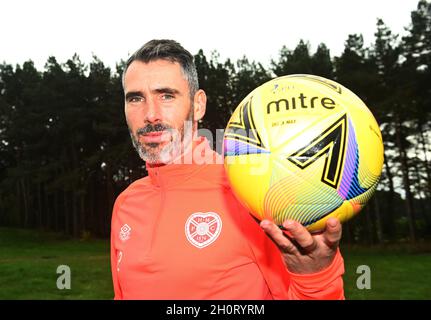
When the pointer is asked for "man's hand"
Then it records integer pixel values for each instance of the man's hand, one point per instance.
(302, 251)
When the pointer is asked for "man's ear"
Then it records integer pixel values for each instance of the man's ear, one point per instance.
(199, 105)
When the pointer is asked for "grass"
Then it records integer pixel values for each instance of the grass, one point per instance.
(29, 260)
(397, 272)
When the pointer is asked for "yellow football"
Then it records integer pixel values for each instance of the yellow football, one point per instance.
(303, 147)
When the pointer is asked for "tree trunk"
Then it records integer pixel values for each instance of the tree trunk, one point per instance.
(25, 202)
(39, 205)
(110, 196)
(406, 182)
(369, 224)
(76, 188)
(421, 199)
(427, 165)
(66, 213)
(74, 215)
(379, 229)
(82, 210)
(346, 233)
(56, 210)
(390, 213)
(48, 208)
(91, 203)
(19, 203)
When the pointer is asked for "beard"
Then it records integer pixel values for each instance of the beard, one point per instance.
(172, 145)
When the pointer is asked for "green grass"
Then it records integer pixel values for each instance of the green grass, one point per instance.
(29, 260)
(397, 272)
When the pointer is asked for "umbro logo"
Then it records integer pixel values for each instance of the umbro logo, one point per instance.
(125, 232)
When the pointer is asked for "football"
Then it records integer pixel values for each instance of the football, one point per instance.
(303, 147)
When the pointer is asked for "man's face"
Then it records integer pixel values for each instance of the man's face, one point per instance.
(157, 104)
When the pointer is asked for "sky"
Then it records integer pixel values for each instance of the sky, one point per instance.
(257, 29)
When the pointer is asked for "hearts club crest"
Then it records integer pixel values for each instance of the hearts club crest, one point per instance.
(202, 229)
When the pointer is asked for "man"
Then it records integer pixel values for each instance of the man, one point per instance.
(180, 233)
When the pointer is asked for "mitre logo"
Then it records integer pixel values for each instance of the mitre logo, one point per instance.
(301, 102)
(125, 232)
(202, 229)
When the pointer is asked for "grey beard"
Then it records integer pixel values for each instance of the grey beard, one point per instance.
(152, 153)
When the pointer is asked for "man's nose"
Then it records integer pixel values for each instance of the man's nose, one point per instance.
(153, 112)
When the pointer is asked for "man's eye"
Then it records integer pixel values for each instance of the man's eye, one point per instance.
(135, 99)
(167, 96)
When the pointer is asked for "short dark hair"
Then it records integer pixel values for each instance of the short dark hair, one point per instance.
(167, 50)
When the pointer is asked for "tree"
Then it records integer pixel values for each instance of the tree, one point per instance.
(297, 61)
(321, 63)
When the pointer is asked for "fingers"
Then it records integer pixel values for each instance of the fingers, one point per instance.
(278, 237)
(301, 235)
(332, 234)
(298, 238)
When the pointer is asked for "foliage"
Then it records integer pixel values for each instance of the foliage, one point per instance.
(65, 152)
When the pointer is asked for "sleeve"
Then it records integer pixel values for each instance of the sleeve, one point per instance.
(114, 255)
(324, 285)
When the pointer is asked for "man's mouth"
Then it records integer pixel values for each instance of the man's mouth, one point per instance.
(155, 136)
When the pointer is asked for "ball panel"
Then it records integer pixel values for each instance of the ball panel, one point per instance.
(249, 177)
(350, 163)
(289, 108)
(300, 197)
(345, 212)
(368, 136)
(363, 198)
